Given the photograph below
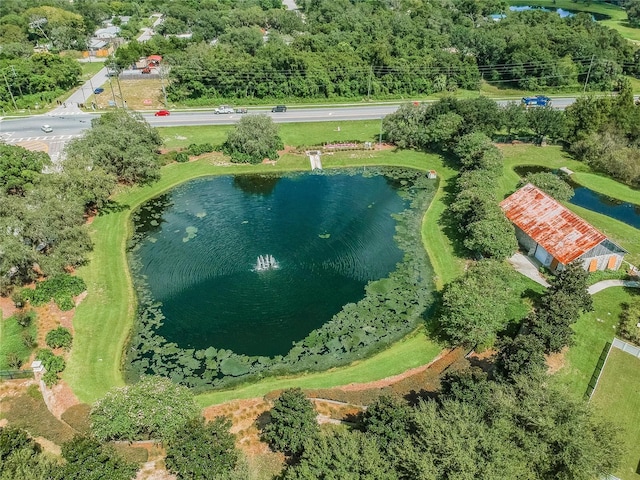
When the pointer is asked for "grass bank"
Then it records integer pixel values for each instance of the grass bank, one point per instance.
(104, 319)
(618, 400)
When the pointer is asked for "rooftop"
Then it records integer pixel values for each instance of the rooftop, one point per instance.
(561, 232)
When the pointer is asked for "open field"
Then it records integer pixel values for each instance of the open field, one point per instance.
(139, 94)
(617, 20)
(592, 331)
(617, 397)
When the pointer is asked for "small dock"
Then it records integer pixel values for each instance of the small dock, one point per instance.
(566, 171)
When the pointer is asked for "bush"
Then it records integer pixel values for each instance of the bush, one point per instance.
(60, 337)
(24, 319)
(18, 298)
(152, 408)
(198, 149)
(182, 157)
(61, 288)
(53, 364)
(28, 340)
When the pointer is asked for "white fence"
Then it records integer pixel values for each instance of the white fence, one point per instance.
(626, 347)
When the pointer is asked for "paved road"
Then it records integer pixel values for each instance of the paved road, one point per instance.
(598, 287)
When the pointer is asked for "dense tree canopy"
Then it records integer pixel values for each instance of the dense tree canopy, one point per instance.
(551, 184)
(122, 144)
(20, 168)
(254, 138)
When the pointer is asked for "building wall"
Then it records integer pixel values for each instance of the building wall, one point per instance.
(602, 261)
(526, 241)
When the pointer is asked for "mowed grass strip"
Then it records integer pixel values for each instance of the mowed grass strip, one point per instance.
(617, 398)
(104, 319)
(412, 351)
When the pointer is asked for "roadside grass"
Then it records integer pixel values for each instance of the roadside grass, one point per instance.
(103, 320)
(552, 156)
(89, 69)
(134, 92)
(410, 352)
(592, 331)
(11, 341)
(617, 400)
(617, 20)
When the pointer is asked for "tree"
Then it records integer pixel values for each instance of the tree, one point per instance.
(342, 455)
(87, 459)
(633, 12)
(203, 451)
(122, 143)
(492, 236)
(254, 138)
(388, 419)
(59, 337)
(546, 122)
(293, 422)
(152, 408)
(20, 169)
(474, 307)
(523, 355)
(21, 458)
(551, 184)
(514, 117)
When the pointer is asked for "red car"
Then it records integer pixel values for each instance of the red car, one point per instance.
(162, 113)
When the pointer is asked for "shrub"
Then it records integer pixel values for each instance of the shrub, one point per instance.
(61, 288)
(152, 408)
(53, 364)
(14, 361)
(60, 337)
(18, 298)
(182, 157)
(28, 340)
(24, 319)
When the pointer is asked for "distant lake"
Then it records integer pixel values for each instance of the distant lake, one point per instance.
(626, 212)
(560, 11)
(253, 263)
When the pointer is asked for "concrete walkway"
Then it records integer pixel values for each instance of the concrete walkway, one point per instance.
(526, 267)
(598, 287)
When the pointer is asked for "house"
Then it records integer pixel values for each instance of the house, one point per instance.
(555, 236)
(432, 174)
(98, 48)
(107, 33)
(154, 60)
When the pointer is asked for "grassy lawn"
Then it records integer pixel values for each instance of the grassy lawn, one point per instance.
(617, 20)
(592, 331)
(410, 352)
(11, 340)
(617, 398)
(553, 157)
(89, 69)
(103, 320)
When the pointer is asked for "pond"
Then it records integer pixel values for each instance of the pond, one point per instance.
(560, 11)
(254, 263)
(628, 213)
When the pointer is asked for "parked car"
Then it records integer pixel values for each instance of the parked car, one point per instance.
(98, 91)
(537, 101)
(46, 129)
(241, 110)
(146, 70)
(162, 113)
(279, 108)
(223, 109)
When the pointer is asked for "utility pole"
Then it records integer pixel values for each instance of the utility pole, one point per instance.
(588, 73)
(163, 72)
(380, 138)
(369, 84)
(113, 94)
(10, 92)
(13, 69)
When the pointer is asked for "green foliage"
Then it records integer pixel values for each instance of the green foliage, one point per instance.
(474, 307)
(629, 319)
(21, 458)
(153, 408)
(182, 157)
(53, 365)
(633, 12)
(87, 459)
(203, 451)
(24, 318)
(551, 184)
(254, 138)
(198, 149)
(20, 169)
(292, 424)
(547, 122)
(344, 455)
(123, 144)
(17, 340)
(387, 419)
(61, 288)
(59, 337)
(522, 356)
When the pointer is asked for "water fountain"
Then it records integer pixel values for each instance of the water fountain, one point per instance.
(266, 262)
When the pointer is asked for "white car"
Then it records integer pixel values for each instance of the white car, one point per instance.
(46, 129)
(223, 109)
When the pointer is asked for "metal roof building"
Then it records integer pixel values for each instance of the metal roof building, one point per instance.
(556, 236)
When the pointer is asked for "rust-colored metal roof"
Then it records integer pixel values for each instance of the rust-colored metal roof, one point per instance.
(561, 232)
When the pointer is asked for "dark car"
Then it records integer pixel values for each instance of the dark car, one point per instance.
(241, 110)
(98, 90)
(162, 113)
(279, 108)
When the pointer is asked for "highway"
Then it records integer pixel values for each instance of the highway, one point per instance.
(68, 125)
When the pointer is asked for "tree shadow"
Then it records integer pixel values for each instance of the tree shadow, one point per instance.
(263, 419)
(415, 397)
(112, 206)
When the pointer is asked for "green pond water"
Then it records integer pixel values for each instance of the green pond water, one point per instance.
(253, 263)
